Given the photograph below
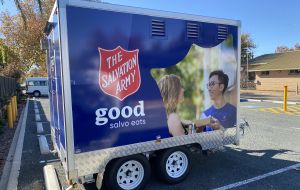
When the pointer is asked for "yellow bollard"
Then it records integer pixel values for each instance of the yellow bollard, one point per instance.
(13, 109)
(284, 98)
(10, 116)
(16, 105)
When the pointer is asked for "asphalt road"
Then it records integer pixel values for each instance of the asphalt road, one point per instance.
(270, 144)
(32, 162)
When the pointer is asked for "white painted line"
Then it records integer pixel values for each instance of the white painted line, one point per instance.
(280, 102)
(37, 117)
(253, 100)
(293, 103)
(39, 127)
(271, 101)
(44, 147)
(276, 101)
(51, 181)
(240, 183)
(15, 169)
(36, 111)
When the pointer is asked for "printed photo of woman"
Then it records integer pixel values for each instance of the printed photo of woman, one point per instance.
(172, 93)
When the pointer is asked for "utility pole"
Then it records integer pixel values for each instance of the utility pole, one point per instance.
(247, 79)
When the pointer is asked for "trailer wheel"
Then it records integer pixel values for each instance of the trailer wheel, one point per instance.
(128, 173)
(173, 165)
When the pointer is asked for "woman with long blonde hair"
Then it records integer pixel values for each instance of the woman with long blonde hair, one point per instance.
(172, 93)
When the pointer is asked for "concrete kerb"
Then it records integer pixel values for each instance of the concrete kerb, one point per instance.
(9, 178)
(271, 101)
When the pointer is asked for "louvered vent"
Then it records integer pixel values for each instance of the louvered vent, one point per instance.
(192, 30)
(158, 28)
(222, 32)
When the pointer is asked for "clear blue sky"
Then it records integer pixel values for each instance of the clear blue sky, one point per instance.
(271, 23)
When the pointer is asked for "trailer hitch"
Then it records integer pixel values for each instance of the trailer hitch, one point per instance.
(72, 184)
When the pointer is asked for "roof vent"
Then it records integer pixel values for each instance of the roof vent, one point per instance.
(158, 28)
(222, 32)
(192, 29)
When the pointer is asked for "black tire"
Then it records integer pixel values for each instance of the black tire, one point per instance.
(112, 173)
(36, 93)
(176, 171)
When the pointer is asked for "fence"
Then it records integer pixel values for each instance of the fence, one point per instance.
(8, 87)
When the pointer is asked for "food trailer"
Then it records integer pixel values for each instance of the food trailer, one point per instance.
(108, 118)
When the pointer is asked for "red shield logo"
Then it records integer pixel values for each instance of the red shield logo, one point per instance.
(119, 74)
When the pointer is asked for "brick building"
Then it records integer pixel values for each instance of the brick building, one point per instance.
(273, 71)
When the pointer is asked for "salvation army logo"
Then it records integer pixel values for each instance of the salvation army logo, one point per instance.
(119, 73)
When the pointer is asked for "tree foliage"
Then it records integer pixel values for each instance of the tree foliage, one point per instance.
(19, 6)
(3, 54)
(247, 47)
(23, 43)
(282, 49)
(9, 62)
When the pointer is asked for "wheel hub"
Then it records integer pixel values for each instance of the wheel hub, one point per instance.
(176, 164)
(130, 175)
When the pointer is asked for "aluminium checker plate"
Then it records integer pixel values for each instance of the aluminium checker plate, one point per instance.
(96, 161)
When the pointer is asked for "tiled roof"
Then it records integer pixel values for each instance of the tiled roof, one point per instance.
(276, 61)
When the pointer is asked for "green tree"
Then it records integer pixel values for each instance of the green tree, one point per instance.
(3, 54)
(282, 49)
(19, 6)
(23, 44)
(247, 46)
(297, 46)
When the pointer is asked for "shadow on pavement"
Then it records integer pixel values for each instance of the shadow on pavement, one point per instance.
(224, 168)
(32, 163)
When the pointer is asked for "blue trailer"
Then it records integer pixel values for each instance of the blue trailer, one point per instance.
(106, 108)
